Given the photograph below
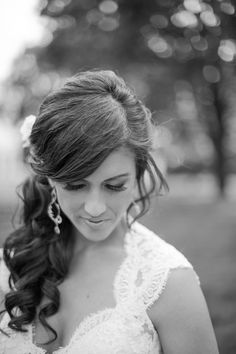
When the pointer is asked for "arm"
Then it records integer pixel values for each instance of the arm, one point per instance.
(181, 317)
(1, 303)
(2, 294)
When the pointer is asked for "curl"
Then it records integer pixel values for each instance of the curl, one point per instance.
(38, 260)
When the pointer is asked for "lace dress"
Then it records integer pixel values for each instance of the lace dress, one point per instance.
(126, 328)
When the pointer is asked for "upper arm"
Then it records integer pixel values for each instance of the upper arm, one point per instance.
(2, 294)
(181, 316)
(2, 298)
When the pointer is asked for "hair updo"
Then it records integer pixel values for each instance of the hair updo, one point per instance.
(77, 127)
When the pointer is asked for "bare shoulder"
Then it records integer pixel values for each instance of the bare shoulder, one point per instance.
(2, 295)
(181, 316)
(2, 307)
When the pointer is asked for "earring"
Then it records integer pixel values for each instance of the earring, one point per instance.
(54, 211)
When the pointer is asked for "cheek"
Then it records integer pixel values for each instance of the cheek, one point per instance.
(121, 201)
(67, 202)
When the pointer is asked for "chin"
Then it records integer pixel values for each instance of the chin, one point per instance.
(95, 232)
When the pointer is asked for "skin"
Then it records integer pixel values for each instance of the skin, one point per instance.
(103, 196)
(180, 316)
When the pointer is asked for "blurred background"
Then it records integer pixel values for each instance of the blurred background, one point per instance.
(180, 56)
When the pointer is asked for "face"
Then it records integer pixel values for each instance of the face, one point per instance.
(97, 204)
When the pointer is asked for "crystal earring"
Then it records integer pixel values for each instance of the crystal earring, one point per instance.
(54, 211)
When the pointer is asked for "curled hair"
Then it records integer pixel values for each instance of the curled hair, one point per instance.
(38, 259)
(77, 127)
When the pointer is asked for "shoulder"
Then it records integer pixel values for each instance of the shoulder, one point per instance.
(156, 260)
(4, 275)
(181, 316)
(157, 252)
(173, 297)
(2, 282)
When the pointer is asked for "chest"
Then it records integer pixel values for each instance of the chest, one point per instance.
(86, 292)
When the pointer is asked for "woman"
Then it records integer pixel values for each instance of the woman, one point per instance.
(85, 276)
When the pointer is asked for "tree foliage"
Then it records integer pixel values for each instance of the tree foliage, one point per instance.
(174, 52)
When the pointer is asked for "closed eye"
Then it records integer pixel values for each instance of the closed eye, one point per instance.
(74, 187)
(116, 188)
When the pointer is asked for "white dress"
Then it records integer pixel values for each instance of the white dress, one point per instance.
(126, 328)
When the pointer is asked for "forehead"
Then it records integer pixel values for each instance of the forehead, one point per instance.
(119, 162)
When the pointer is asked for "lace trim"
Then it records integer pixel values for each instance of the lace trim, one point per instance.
(121, 288)
(139, 281)
(92, 320)
(156, 260)
(125, 277)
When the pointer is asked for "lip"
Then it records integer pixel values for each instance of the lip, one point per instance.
(93, 219)
(94, 222)
(95, 225)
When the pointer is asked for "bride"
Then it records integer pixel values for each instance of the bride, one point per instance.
(81, 274)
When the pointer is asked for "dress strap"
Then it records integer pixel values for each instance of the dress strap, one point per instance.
(157, 259)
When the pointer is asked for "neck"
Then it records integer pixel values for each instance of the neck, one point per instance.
(114, 240)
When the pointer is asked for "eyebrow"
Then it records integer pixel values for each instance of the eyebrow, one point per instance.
(118, 176)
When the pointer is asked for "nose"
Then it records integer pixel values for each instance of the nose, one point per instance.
(94, 205)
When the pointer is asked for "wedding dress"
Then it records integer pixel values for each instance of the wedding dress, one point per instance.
(126, 328)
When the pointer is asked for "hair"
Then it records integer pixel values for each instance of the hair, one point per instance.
(77, 127)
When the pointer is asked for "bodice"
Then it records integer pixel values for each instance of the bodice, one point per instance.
(126, 328)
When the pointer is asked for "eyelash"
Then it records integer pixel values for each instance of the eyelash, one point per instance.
(117, 188)
(114, 188)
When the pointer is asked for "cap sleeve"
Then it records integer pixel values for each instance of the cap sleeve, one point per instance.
(157, 259)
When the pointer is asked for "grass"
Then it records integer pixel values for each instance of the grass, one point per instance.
(204, 229)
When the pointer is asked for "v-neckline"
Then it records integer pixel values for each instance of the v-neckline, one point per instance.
(93, 319)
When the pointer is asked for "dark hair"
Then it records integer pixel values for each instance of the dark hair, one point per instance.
(76, 129)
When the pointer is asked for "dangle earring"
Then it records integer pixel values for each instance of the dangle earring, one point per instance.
(54, 211)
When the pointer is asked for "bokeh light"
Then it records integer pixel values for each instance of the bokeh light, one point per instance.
(108, 24)
(227, 8)
(108, 7)
(211, 73)
(159, 21)
(227, 50)
(193, 5)
(199, 43)
(184, 18)
(66, 21)
(94, 16)
(159, 46)
(57, 6)
(209, 18)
